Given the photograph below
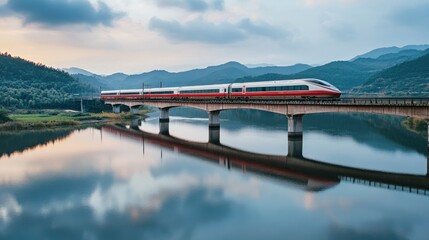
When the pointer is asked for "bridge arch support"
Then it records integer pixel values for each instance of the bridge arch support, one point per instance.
(294, 110)
(116, 108)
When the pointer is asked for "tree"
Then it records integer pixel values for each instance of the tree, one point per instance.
(4, 116)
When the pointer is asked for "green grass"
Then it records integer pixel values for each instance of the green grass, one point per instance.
(49, 119)
(55, 117)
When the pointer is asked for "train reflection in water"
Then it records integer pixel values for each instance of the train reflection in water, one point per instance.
(293, 169)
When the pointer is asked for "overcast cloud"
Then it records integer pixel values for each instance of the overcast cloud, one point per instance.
(199, 30)
(173, 34)
(62, 12)
(413, 16)
(193, 5)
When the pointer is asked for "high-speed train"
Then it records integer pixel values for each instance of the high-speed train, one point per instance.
(280, 89)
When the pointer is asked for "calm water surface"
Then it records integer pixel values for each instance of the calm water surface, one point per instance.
(111, 183)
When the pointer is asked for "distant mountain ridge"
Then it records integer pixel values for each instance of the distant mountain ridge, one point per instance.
(75, 70)
(387, 50)
(24, 84)
(223, 73)
(345, 74)
(409, 78)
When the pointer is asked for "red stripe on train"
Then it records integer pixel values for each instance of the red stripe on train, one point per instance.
(288, 93)
(240, 94)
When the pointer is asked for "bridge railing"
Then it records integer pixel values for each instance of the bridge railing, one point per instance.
(310, 101)
(386, 101)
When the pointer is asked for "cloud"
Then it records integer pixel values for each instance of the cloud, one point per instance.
(182, 205)
(341, 32)
(4, 11)
(193, 5)
(200, 30)
(415, 16)
(261, 29)
(9, 208)
(61, 12)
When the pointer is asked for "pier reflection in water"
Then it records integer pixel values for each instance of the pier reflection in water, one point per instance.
(374, 142)
(313, 175)
(115, 183)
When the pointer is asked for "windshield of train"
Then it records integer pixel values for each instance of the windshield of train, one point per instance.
(323, 83)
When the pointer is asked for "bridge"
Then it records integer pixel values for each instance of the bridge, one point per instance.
(293, 169)
(293, 109)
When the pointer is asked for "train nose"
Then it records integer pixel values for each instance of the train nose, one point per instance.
(337, 92)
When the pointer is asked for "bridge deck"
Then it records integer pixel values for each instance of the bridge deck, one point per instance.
(334, 102)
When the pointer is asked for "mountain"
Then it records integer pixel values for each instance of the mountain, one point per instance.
(24, 84)
(387, 50)
(391, 59)
(94, 81)
(346, 75)
(116, 77)
(409, 78)
(75, 70)
(223, 73)
(98, 81)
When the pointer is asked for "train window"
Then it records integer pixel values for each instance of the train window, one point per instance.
(319, 82)
(129, 93)
(163, 92)
(286, 88)
(201, 91)
(236, 90)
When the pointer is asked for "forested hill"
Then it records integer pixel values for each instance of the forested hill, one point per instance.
(408, 79)
(346, 74)
(24, 84)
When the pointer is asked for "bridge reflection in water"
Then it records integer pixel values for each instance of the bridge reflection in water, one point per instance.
(293, 169)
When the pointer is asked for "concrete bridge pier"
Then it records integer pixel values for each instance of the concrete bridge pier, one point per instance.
(294, 125)
(164, 121)
(214, 127)
(164, 115)
(214, 120)
(164, 128)
(135, 110)
(295, 147)
(116, 108)
(214, 135)
(135, 123)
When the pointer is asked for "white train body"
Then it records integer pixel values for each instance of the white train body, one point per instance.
(280, 89)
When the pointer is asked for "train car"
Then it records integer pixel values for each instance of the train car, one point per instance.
(299, 88)
(204, 91)
(169, 92)
(129, 93)
(281, 89)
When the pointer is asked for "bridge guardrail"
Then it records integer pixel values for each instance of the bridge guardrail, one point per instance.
(339, 101)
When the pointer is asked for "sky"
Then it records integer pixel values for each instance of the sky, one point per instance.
(135, 36)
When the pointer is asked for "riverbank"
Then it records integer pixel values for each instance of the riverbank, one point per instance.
(60, 119)
(415, 125)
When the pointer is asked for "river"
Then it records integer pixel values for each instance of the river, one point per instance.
(351, 176)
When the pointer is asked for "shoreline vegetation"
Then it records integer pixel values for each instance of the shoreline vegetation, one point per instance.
(415, 125)
(50, 119)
